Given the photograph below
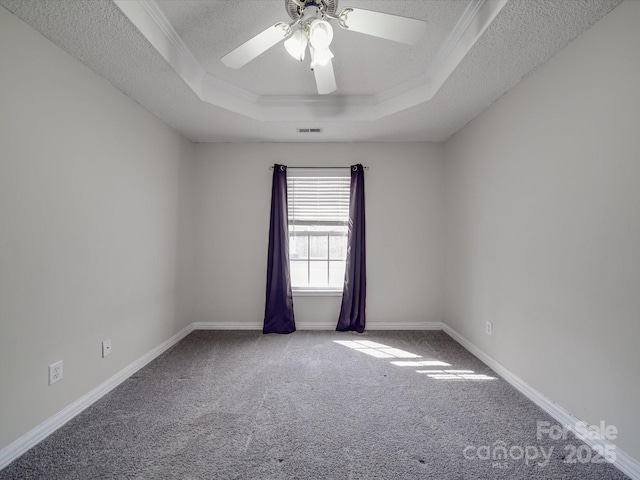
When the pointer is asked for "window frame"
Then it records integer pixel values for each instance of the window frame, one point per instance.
(315, 290)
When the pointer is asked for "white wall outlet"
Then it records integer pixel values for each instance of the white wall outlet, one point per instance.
(55, 372)
(106, 348)
(489, 328)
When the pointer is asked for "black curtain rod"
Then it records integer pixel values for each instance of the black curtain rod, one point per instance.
(318, 168)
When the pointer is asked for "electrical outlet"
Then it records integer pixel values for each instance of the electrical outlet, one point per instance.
(55, 372)
(489, 327)
(106, 348)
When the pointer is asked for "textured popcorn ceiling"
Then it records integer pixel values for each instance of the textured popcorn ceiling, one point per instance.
(525, 34)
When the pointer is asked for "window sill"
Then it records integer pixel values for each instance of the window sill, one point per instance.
(317, 293)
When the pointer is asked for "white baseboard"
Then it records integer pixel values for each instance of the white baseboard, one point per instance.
(227, 326)
(320, 326)
(624, 462)
(405, 326)
(46, 428)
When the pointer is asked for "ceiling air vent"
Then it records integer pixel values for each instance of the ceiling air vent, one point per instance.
(309, 130)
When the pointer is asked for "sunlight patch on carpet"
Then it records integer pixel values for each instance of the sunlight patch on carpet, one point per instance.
(376, 349)
(455, 375)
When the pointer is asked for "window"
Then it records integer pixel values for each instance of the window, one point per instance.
(318, 228)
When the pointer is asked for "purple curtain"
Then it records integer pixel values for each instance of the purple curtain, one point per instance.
(278, 312)
(352, 311)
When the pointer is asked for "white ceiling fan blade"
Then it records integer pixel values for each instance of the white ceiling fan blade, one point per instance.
(384, 25)
(325, 78)
(256, 46)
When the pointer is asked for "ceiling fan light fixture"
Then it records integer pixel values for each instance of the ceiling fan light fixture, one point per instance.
(320, 34)
(296, 45)
(320, 56)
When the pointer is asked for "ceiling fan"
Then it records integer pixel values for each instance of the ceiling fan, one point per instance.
(310, 28)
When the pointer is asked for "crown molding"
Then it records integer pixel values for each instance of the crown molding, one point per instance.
(149, 19)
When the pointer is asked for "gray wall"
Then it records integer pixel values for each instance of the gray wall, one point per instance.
(94, 228)
(543, 227)
(404, 231)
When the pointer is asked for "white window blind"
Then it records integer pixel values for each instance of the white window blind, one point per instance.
(318, 200)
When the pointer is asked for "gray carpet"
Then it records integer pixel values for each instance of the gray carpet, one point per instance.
(242, 405)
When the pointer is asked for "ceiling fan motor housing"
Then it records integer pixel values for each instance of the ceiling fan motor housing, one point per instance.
(296, 8)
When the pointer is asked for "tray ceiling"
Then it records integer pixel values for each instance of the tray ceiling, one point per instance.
(166, 56)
